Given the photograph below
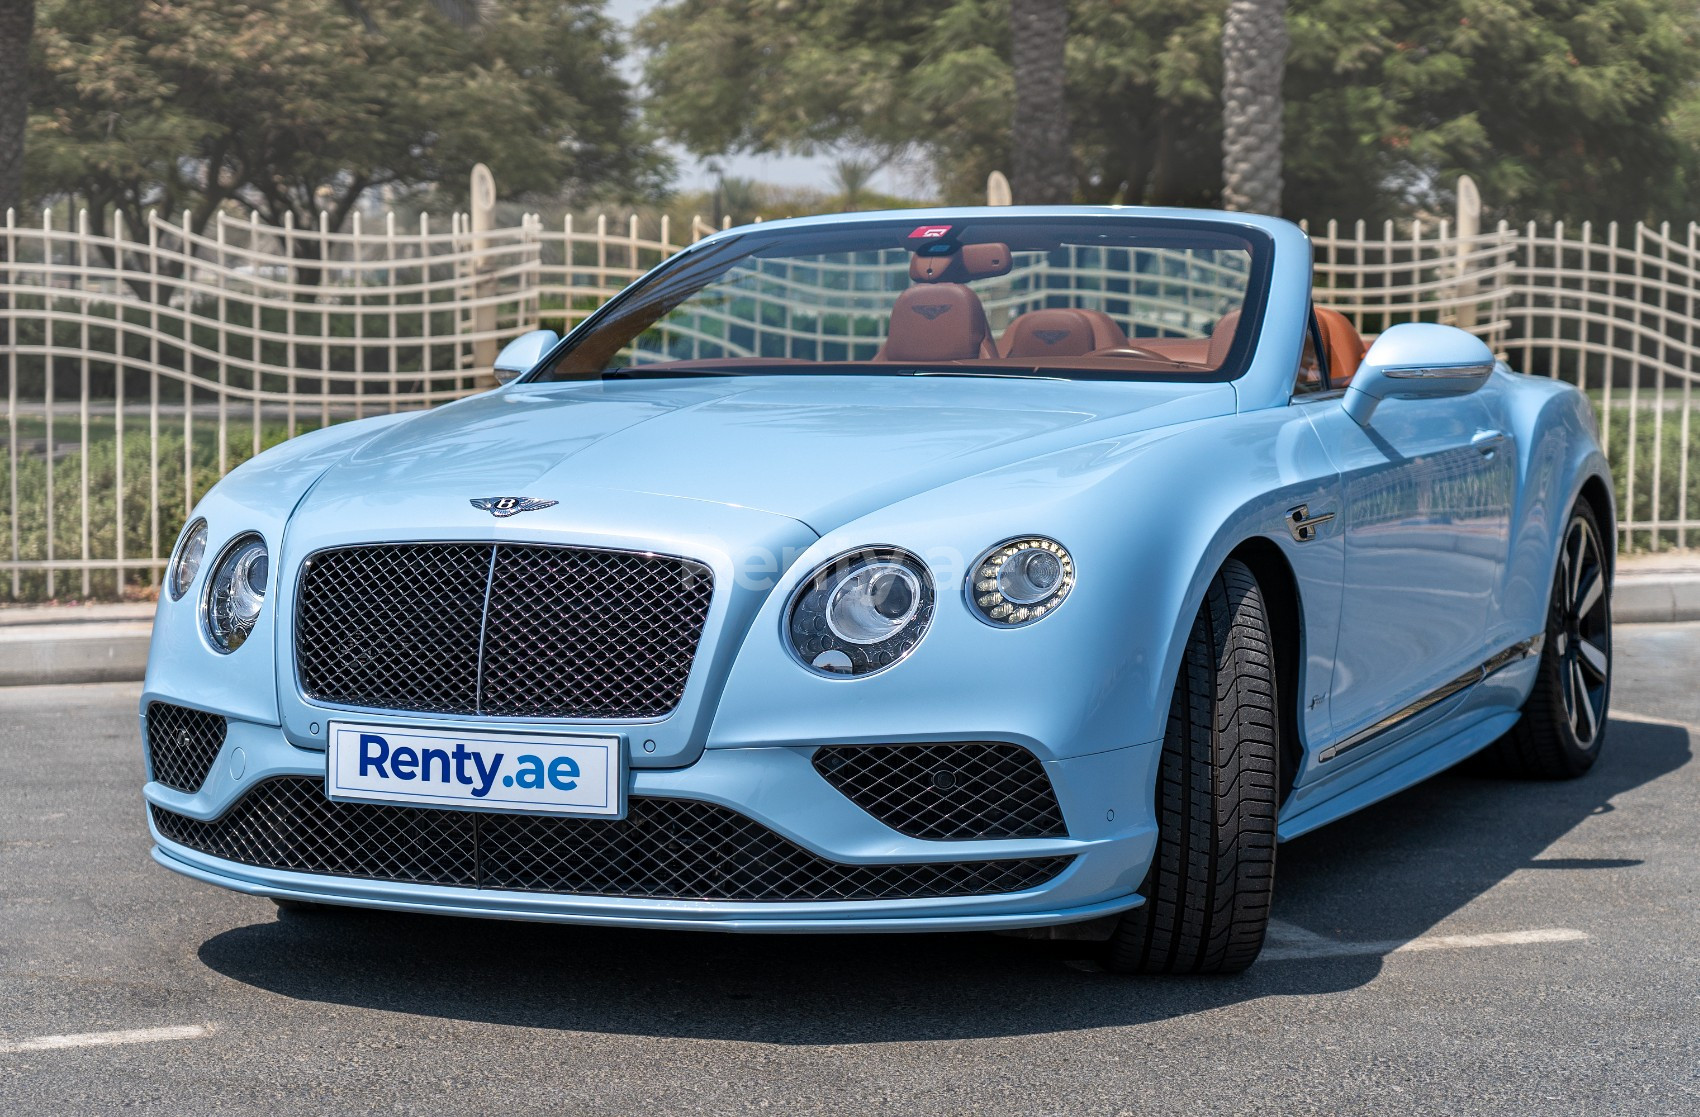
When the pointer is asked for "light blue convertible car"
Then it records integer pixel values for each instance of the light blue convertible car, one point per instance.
(942, 570)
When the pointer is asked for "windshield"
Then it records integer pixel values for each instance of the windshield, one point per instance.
(1102, 297)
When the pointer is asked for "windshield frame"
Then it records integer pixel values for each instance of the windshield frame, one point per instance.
(722, 252)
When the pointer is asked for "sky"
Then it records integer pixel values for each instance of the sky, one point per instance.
(781, 170)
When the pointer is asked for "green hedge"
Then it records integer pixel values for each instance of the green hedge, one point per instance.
(142, 462)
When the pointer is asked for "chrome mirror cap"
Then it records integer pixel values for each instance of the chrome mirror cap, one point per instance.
(1417, 360)
(524, 351)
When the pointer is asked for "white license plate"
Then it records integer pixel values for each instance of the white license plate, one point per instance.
(545, 773)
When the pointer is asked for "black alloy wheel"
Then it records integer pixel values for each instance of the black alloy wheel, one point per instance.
(1564, 719)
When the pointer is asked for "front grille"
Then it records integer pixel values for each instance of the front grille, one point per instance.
(499, 629)
(979, 789)
(182, 744)
(664, 849)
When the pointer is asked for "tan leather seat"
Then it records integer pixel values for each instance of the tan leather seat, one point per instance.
(1061, 332)
(1222, 338)
(1048, 333)
(1344, 346)
(937, 322)
(1106, 331)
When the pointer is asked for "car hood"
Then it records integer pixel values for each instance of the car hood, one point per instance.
(818, 449)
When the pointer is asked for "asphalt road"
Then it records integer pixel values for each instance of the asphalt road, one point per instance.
(1471, 946)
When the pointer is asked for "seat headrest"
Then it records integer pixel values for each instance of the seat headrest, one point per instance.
(1344, 344)
(971, 261)
(1106, 331)
(937, 322)
(1049, 333)
(1222, 338)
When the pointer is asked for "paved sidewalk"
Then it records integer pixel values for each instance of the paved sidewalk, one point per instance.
(47, 644)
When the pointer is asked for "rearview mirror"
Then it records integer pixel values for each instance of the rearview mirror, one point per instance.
(524, 351)
(1417, 360)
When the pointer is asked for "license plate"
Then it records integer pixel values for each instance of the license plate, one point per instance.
(543, 773)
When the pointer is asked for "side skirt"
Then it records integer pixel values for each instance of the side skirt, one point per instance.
(1412, 770)
(1382, 731)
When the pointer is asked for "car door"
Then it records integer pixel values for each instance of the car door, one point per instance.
(1426, 494)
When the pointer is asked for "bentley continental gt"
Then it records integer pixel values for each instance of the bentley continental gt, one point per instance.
(958, 569)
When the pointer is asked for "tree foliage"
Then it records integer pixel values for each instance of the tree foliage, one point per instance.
(17, 23)
(291, 106)
(1560, 108)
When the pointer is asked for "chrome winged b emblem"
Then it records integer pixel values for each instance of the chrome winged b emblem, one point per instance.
(502, 506)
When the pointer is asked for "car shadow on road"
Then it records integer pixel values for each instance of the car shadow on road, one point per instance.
(1390, 873)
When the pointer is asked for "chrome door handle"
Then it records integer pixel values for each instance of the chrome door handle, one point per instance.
(1488, 442)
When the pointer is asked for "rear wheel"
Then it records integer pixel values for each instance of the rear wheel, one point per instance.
(1564, 719)
(1208, 889)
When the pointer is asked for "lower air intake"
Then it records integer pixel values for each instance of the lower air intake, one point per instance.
(959, 791)
(182, 744)
(664, 849)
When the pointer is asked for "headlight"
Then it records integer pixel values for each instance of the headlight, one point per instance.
(861, 612)
(236, 592)
(1017, 582)
(186, 563)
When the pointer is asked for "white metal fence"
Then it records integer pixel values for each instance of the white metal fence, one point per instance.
(143, 364)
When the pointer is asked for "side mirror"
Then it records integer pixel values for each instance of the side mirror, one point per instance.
(524, 351)
(1417, 360)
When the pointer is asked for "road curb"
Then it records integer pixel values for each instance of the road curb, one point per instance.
(110, 644)
(1641, 599)
(81, 652)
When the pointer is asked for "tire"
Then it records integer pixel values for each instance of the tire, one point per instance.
(1208, 889)
(1564, 718)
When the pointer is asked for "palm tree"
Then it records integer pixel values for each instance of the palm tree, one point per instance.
(17, 25)
(1040, 164)
(741, 199)
(1254, 56)
(852, 177)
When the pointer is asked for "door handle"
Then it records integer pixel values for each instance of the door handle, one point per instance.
(1488, 442)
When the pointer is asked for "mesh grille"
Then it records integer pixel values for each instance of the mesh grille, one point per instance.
(663, 849)
(568, 632)
(947, 791)
(182, 744)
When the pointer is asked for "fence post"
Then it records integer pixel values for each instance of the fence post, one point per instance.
(1469, 228)
(483, 198)
(10, 307)
(998, 192)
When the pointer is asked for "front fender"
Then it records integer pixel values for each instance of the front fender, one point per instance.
(1558, 454)
(257, 496)
(1149, 518)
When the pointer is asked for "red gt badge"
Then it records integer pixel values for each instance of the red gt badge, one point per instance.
(930, 232)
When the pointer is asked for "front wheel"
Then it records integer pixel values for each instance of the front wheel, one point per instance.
(1564, 719)
(1208, 889)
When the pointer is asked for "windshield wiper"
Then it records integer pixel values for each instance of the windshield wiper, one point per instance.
(646, 372)
(993, 373)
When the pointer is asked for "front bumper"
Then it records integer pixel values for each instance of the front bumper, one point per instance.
(777, 787)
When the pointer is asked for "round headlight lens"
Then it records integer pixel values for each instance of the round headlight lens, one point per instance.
(873, 603)
(237, 592)
(186, 563)
(1017, 582)
(861, 612)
